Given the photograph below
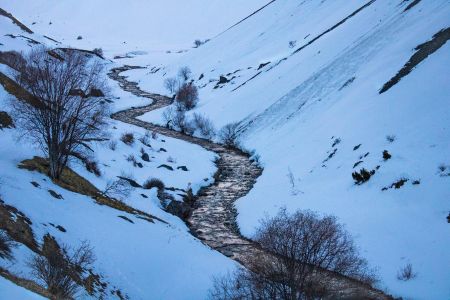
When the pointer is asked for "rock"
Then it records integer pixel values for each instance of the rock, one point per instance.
(145, 157)
(77, 92)
(55, 194)
(183, 168)
(131, 182)
(166, 166)
(5, 120)
(126, 219)
(222, 80)
(96, 93)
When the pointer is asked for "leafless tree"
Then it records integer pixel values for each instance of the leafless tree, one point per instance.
(184, 73)
(187, 95)
(171, 84)
(229, 135)
(204, 125)
(60, 268)
(306, 253)
(66, 117)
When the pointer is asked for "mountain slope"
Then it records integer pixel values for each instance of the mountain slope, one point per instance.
(305, 111)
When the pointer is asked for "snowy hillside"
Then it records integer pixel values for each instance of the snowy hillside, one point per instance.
(306, 106)
(310, 83)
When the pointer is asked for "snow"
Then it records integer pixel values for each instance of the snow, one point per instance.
(292, 112)
(137, 25)
(9, 290)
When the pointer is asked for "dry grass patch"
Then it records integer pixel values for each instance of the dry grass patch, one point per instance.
(73, 182)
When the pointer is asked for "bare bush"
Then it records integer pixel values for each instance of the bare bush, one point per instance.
(187, 95)
(127, 138)
(98, 51)
(145, 139)
(307, 253)
(154, 183)
(391, 138)
(197, 43)
(119, 189)
(112, 145)
(204, 125)
(131, 158)
(184, 73)
(60, 268)
(229, 135)
(406, 273)
(6, 245)
(171, 84)
(61, 120)
(92, 167)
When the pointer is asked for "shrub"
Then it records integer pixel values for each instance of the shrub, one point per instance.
(197, 43)
(228, 135)
(145, 140)
(112, 145)
(406, 273)
(362, 176)
(119, 188)
(132, 158)
(5, 120)
(60, 268)
(386, 155)
(187, 95)
(154, 183)
(127, 138)
(390, 138)
(6, 245)
(184, 73)
(297, 248)
(92, 167)
(204, 125)
(98, 51)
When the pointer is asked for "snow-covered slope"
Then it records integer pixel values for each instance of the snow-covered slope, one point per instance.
(134, 25)
(304, 80)
(306, 105)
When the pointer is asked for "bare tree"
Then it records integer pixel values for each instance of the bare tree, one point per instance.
(229, 134)
(168, 116)
(171, 84)
(307, 252)
(66, 117)
(187, 95)
(204, 125)
(184, 73)
(60, 268)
